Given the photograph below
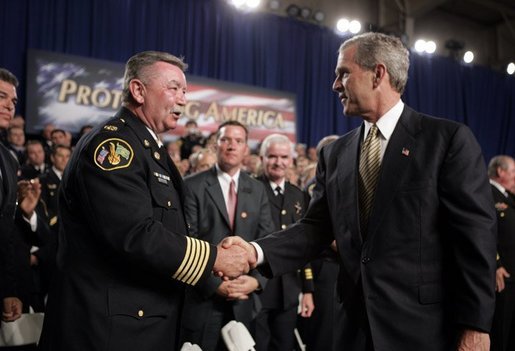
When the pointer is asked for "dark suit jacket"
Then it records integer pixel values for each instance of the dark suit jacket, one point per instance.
(505, 208)
(283, 292)
(207, 217)
(123, 254)
(8, 166)
(427, 267)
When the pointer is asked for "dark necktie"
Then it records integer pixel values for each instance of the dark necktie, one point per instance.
(369, 166)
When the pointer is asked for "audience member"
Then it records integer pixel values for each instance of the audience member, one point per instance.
(12, 305)
(224, 201)
(501, 171)
(16, 143)
(50, 182)
(35, 165)
(193, 137)
(280, 299)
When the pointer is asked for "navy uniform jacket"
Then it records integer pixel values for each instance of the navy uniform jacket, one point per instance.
(505, 207)
(427, 268)
(207, 214)
(283, 292)
(123, 254)
(49, 194)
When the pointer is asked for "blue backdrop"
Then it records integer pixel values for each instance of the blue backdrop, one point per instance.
(252, 48)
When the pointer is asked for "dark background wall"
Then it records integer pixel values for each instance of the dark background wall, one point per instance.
(252, 48)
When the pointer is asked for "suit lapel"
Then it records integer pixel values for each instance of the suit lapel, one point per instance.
(214, 190)
(400, 151)
(8, 179)
(245, 201)
(348, 181)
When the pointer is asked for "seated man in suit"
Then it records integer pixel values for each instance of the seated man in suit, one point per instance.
(35, 165)
(224, 201)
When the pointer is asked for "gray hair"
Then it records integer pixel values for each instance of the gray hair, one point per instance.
(8, 77)
(499, 161)
(275, 139)
(136, 66)
(375, 48)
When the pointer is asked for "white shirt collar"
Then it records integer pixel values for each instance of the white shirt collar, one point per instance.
(57, 172)
(156, 138)
(280, 184)
(387, 122)
(499, 187)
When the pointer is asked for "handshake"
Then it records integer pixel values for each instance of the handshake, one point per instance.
(234, 257)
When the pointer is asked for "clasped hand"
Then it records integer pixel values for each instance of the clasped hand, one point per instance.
(234, 257)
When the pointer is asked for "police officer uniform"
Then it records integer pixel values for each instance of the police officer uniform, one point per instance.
(123, 257)
(280, 298)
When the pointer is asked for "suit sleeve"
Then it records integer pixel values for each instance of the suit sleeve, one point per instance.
(120, 208)
(290, 249)
(467, 203)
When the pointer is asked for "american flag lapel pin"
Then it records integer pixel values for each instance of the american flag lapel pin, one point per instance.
(405, 151)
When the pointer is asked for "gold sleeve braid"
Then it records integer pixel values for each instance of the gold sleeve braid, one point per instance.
(308, 274)
(194, 262)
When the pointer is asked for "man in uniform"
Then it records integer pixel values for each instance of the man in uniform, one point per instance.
(276, 322)
(501, 171)
(124, 257)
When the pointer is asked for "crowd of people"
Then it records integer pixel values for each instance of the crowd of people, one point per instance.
(383, 239)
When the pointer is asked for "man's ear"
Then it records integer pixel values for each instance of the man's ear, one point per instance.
(379, 74)
(137, 89)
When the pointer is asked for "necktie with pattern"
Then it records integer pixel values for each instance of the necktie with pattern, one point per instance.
(232, 200)
(369, 166)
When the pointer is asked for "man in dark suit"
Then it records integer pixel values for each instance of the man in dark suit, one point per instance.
(411, 210)
(501, 171)
(12, 305)
(276, 322)
(224, 201)
(124, 257)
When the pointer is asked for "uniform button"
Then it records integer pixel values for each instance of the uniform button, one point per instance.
(141, 313)
(283, 226)
(501, 214)
(365, 260)
(169, 203)
(283, 212)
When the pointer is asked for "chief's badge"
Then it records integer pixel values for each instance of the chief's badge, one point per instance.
(113, 153)
(298, 207)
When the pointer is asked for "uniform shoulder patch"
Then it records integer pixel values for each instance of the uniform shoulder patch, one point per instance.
(113, 153)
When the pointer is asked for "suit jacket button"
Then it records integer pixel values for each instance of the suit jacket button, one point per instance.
(141, 313)
(365, 260)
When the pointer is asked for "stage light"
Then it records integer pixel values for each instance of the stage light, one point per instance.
(319, 16)
(343, 25)
(293, 11)
(511, 68)
(238, 3)
(354, 27)
(430, 47)
(253, 3)
(420, 45)
(274, 4)
(305, 13)
(468, 57)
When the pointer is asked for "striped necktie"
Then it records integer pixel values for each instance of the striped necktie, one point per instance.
(369, 166)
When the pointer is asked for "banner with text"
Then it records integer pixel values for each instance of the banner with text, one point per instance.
(71, 91)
